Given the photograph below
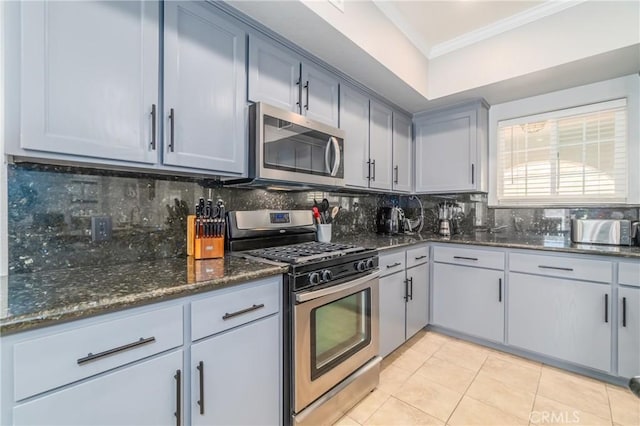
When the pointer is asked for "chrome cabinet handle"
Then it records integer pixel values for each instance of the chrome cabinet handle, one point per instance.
(172, 119)
(499, 289)
(200, 368)
(153, 127)
(227, 316)
(299, 101)
(557, 268)
(92, 357)
(406, 290)
(411, 288)
(178, 412)
(475, 259)
(373, 177)
(421, 257)
(369, 169)
(306, 86)
(606, 307)
(473, 173)
(624, 311)
(393, 265)
(397, 175)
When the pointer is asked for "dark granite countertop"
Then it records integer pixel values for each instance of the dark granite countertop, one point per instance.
(559, 243)
(47, 298)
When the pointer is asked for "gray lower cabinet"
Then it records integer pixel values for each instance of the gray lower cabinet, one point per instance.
(233, 368)
(417, 306)
(392, 312)
(469, 300)
(565, 319)
(143, 394)
(628, 331)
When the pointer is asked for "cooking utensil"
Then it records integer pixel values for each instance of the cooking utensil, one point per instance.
(334, 212)
(316, 214)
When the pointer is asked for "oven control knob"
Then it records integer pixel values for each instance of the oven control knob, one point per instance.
(361, 266)
(326, 275)
(370, 264)
(314, 278)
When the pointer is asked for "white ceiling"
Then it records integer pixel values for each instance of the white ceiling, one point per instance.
(429, 23)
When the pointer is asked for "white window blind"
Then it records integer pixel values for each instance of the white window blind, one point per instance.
(570, 156)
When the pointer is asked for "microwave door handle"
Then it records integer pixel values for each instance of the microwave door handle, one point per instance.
(327, 156)
(338, 159)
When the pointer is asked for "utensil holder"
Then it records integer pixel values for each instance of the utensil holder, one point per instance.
(203, 247)
(323, 232)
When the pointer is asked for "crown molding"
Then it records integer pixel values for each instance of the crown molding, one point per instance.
(548, 8)
(389, 10)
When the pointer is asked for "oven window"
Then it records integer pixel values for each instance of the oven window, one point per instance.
(338, 330)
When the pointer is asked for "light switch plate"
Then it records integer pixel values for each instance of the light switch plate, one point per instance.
(100, 228)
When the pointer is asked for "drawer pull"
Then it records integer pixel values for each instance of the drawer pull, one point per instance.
(606, 307)
(200, 368)
(92, 357)
(178, 412)
(475, 259)
(421, 257)
(624, 311)
(244, 311)
(499, 289)
(558, 268)
(393, 265)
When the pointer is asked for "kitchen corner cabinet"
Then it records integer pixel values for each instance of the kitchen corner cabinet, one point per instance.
(451, 150)
(468, 291)
(281, 78)
(89, 78)
(204, 89)
(404, 295)
(379, 143)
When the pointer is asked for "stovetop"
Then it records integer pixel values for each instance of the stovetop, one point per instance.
(306, 252)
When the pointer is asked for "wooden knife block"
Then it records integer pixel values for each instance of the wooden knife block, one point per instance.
(202, 248)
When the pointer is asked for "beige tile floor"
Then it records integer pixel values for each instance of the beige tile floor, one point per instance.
(436, 380)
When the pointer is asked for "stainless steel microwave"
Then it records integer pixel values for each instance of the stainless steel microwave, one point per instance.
(604, 231)
(288, 148)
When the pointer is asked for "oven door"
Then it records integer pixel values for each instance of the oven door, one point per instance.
(335, 332)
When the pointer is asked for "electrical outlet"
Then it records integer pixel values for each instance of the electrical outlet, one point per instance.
(100, 228)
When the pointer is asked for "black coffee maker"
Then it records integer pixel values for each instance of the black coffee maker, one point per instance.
(390, 220)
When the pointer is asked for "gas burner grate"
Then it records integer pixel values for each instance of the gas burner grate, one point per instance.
(305, 252)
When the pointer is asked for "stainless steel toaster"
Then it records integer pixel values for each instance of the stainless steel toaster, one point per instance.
(604, 231)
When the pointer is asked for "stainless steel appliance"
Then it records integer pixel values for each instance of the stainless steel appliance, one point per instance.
(330, 299)
(290, 149)
(390, 220)
(599, 231)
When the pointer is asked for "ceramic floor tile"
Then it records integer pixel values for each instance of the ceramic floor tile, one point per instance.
(471, 412)
(432, 398)
(395, 412)
(430, 343)
(625, 406)
(575, 391)
(365, 408)
(346, 421)
(410, 360)
(389, 359)
(512, 374)
(463, 354)
(447, 374)
(392, 378)
(501, 396)
(548, 412)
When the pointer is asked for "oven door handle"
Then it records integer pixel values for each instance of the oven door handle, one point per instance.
(311, 295)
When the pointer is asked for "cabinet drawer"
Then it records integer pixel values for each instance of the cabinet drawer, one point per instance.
(629, 273)
(391, 262)
(469, 257)
(217, 313)
(417, 256)
(48, 362)
(565, 267)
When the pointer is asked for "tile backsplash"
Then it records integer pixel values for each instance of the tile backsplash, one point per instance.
(50, 210)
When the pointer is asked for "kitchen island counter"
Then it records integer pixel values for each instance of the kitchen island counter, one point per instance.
(45, 298)
(558, 243)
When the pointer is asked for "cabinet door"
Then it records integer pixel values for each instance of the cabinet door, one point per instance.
(446, 152)
(402, 155)
(143, 394)
(469, 300)
(204, 80)
(239, 378)
(392, 312)
(380, 145)
(354, 120)
(319, 95)
(274, 75)
(628, 332)
(418, 303)
(565, 319)
(90, 78)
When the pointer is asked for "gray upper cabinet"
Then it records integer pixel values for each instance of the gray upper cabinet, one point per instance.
(402, 153)
(281, 78)
(89, 78)
(380, 145)
(354, 120)
(451, 150)
(204, 89)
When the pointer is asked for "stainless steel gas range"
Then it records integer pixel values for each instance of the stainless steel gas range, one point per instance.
(330, 299)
